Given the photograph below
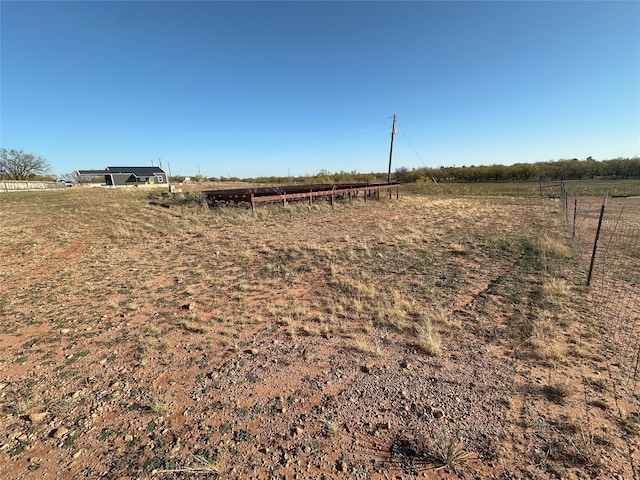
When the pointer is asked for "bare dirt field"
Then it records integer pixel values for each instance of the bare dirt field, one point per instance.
(436, 337)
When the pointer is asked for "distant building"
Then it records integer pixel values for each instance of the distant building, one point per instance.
(119, 176)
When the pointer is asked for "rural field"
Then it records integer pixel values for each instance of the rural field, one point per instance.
(433, 336)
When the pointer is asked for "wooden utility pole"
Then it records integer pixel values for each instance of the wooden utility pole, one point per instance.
(393, 132)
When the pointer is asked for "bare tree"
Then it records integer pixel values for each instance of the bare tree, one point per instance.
(17, 165)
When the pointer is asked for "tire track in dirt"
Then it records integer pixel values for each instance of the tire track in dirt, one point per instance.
(40, 269)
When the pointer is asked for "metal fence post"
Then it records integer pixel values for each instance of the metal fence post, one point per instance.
(575, 214)
(595, 243)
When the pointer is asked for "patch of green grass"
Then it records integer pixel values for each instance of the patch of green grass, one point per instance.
(18, 449)
(106, 433)
(69, 440)
(242, 435)
(27, 345)
(451, 453)
(160, 463)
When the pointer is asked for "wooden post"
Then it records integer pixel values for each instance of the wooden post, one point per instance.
(595, 243)
(253, 205)
(310, 198)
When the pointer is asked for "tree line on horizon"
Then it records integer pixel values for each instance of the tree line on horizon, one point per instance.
(18, 165)
(573, 169)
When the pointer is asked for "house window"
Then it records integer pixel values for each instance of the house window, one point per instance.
(160, 180)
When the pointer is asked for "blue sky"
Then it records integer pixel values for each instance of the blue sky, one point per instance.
(289, 88)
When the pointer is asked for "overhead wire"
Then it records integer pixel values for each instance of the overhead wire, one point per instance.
(413, 148)
(324, 141)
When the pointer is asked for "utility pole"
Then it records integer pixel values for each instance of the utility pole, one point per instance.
(393, 132)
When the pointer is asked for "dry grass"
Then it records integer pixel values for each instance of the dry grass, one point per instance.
(557, 289)
(559, 391)
(631, 424)
(308, 287)
(543, 339)
(193, 325)
(428, 340)
(369, 347)
(24, 404)
(201, 466)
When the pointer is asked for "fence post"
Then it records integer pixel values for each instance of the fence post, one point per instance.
(595, 243)
(566, 203)
(575, 213)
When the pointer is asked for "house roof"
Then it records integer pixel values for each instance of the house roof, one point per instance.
(92, 173)
(137, 171)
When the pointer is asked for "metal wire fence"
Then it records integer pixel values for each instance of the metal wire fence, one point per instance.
(608, 232)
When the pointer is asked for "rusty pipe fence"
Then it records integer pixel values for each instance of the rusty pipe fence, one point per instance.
(291, 193)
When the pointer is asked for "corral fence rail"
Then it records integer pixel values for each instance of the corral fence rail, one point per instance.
(293, 193)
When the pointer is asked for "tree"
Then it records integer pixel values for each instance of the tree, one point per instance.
(17, 165)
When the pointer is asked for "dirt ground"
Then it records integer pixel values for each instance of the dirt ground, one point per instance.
(433, 337)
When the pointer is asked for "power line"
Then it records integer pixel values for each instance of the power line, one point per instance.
(413, 148)
(333, 139)
(353, 135)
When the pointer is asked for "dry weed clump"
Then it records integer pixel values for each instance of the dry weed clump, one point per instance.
(451, 452)
(201, 466)
(631, 424)
(369, 347)
(428, 340)
(192, 325)
(559, 391)
(543, 337)
(556, 290)
(393, 314)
